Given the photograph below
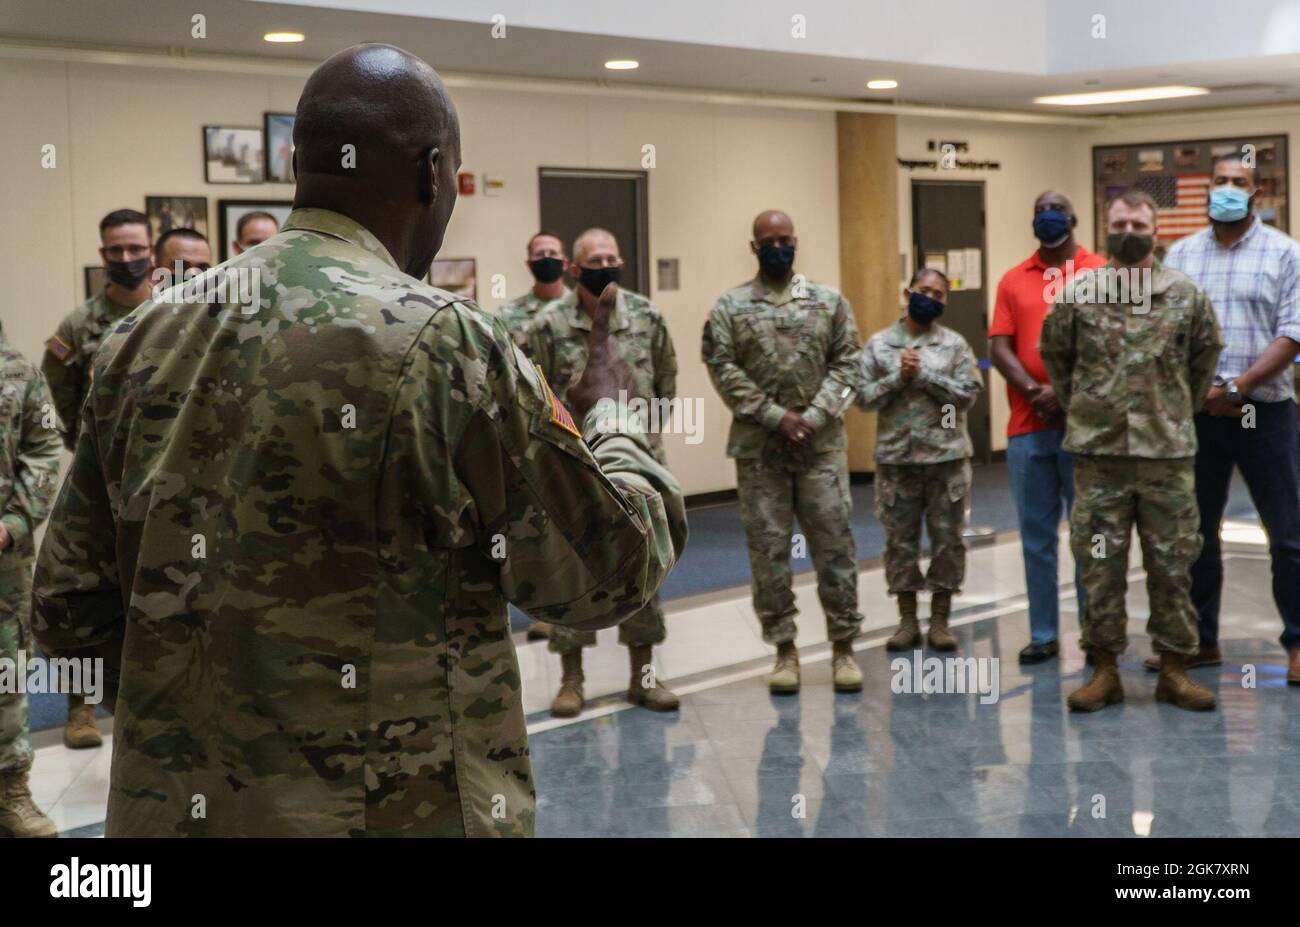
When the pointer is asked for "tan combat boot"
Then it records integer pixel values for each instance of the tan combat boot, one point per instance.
(568, 701)
(19, 816)
(785, 674)
(845, 673)
(80, 731)
(1174, 685)
(1102, 689)
(939, 637)
(656, 696)
(908, 634)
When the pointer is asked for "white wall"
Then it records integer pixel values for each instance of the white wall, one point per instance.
(122, 132)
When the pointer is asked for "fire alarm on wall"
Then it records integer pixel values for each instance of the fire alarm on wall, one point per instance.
(465, 181)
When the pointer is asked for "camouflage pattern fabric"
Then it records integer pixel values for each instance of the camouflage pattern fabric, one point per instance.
(519, 313)
(1111, 495)
(818, 492)
(1130, 381)
(771, 350)
(906, 496)
(29, 467)
(66, 362)
(290, 530)
(557, 343)
(922, 420)
(15, 638)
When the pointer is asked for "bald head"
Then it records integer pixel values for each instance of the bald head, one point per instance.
(377, 138)
(1053, 199)
(772, 223)
(593, 246)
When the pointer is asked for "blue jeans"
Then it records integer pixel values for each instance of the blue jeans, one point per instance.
(1042, 482)
(1267, 457)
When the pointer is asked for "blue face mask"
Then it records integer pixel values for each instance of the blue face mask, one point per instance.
(922, 308)
(1051, 226)
(1229, 203)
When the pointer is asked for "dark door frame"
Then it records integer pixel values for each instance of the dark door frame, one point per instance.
(641, 219)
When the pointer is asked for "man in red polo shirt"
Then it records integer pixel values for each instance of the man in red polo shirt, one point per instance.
(1042, 475)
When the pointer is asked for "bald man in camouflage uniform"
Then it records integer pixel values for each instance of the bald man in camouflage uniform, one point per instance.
(557, 343)
(783, 354)
(29, 468)
(292, 524)
(922, 379)
(1131, 365)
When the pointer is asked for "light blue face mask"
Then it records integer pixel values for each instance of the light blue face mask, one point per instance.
(1228, 203)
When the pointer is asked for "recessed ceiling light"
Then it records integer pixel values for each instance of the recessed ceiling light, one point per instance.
(622, 64)
(881, 84)
(1135, 95)
(283, 38)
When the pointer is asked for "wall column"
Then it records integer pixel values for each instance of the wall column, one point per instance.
(868, 203)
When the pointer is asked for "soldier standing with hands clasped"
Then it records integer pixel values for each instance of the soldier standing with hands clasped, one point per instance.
(1131, 349)
(783, 354)
(922, 378)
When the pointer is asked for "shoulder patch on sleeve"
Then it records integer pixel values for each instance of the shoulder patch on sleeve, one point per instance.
(559, 414)
(61, 352)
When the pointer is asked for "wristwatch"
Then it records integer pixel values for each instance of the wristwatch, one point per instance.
(1234, 394)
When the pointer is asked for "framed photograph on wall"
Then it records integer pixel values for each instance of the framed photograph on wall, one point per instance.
(455, 275)
(278, 129)
(233, 155)
(95, 278)
(1178, 175)
(229, 212)
(177, 212)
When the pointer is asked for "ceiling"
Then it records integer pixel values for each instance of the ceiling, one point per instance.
(235, 27)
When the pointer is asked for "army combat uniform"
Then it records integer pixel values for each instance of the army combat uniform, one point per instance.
(66, 362)
(557, 344)
(29, 467)
(923, 451)
(1130, 382)
(519, 313)
(290, 529)
(770, 350)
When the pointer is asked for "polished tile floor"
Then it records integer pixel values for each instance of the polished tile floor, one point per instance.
(736, 761)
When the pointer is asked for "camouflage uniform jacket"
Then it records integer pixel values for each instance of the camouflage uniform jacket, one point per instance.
(283, 530)
(769, 351)
(29, 454)
(557, 343)
(519, 313)
(66, 362)
(1130, 381)
(921, 421)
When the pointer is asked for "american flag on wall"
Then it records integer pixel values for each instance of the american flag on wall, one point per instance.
(1182, 202)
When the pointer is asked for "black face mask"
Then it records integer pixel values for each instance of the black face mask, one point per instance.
(776, 260)
(924, 309)
(128, 274)
(547, 269)
(595, 279)
(1129, 248)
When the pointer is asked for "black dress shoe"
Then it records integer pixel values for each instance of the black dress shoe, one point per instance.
(1039, 653)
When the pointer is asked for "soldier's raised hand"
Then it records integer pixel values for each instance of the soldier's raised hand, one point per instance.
(606, 373)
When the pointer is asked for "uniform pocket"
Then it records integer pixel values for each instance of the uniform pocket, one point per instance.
(959, 483)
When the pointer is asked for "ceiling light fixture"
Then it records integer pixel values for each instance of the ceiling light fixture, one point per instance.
(881, 84)
(1135, 95)
(622, 64)
(283, 38)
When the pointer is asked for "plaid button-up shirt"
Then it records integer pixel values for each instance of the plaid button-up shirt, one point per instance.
(1253, 288)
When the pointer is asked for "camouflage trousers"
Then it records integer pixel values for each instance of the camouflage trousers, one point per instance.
(818, 493)
(15, 636)
(643, 627)
(1111, 495)
(906, 496)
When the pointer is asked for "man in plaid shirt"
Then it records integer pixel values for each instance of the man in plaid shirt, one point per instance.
(1251, 274)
